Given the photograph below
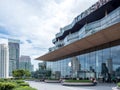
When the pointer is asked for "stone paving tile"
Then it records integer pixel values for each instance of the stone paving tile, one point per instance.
(57, 86)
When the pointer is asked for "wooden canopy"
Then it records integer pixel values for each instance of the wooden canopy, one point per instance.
(107, 35)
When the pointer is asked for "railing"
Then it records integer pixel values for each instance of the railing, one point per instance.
(52, 49)
(94, 7)
(111, 19)
(58, 44)
(72, 37)
(59, 34)
(61, 42)
(88, 29)
(54, 40)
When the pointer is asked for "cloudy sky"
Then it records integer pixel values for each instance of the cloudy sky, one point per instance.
(35, 22)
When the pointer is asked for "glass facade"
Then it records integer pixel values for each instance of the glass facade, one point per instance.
(100, 63)
(14, 51)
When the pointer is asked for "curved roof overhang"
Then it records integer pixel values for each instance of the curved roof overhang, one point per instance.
(104, 36)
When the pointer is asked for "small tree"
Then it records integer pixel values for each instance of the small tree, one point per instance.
(21, 73)
(27, 73)
(18, 73)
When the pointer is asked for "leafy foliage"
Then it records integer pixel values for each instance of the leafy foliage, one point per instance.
(2, 80)
(24, 84)
(21, 73)
(7, 86)
(83, 81)
(25, 88)
(19, 81)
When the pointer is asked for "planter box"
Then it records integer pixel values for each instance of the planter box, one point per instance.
(116, 88)
(52, 81)
(77, 84)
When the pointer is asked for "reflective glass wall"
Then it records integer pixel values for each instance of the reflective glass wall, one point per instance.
(104, 63)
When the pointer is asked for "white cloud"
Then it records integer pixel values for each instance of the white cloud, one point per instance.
(38, 21)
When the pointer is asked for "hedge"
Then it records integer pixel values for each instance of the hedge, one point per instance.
(78, 81)
(7, 86)
(19, 81)
(25, 88)
(24, 84)
(14, 85)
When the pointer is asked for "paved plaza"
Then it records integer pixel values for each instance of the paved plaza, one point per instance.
(58, 86)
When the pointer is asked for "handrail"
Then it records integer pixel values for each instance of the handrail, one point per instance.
(74, 21)
(88, 29)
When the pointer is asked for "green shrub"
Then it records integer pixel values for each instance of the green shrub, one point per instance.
(2, 80)
(14, 85)
(25, 88)
(7, 86)
(0, 85)
(24, 84)
(83, 81)
(19, 81)
(5, 80)
(118, 84)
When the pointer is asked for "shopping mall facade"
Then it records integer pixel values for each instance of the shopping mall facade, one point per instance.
(89, 46)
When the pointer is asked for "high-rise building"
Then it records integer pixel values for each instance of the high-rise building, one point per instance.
(14, 51)
(93, 38)
(4, 61)
(25, 63)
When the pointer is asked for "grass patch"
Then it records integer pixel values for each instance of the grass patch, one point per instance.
(25, 88)
(78, 81)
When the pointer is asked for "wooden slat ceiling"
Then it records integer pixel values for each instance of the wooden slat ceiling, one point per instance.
(107, 35)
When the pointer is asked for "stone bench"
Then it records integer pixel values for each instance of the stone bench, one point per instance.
(52, 81)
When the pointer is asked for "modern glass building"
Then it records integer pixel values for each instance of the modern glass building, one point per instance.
(25, 63)
(14, 51)
(4, 61)
(90, 45)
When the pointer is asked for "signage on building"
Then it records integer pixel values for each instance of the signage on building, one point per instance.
(91, 9)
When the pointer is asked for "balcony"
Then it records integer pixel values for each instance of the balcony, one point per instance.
(91, 28)
(52, 49)
(59, 43)
(108, 20)
(54, 40)
(72, 38)
(84, 14)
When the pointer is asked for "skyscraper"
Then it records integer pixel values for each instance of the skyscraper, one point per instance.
(4, 61)
(25, 63)
(14, 51)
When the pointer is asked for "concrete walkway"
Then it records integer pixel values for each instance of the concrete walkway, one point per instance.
(57, 86)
